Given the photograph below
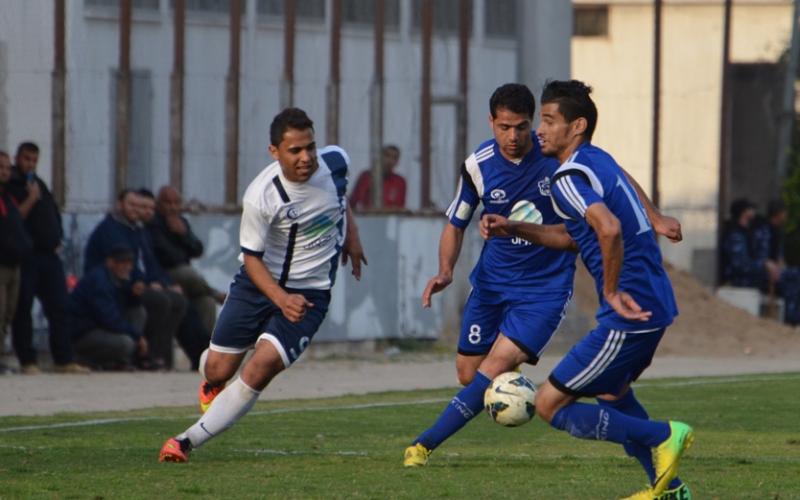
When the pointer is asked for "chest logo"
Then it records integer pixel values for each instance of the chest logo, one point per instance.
(525, 211)
(544, 186)
(292, 213)
(498, 196)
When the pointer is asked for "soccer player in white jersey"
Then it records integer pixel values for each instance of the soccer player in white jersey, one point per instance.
(296, 225)
(604, 218)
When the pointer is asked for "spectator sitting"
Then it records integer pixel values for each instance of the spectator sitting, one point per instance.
(192, 334)
(740, 267)
(768, 238)
(104, 320)
(15, 244)
(175, 245)
(165, 307)
(394, 186)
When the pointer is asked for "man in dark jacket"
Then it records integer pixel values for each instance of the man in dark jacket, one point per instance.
(175, 245)
(15, 244)
(104, 321)
(165, 306)
(740, 265)
(42, 273)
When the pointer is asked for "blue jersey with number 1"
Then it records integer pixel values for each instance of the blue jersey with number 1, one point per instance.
(591, 176)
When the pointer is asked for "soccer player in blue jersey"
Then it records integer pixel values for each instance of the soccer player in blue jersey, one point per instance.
(520, 291)
(605, 220)
(296, 224)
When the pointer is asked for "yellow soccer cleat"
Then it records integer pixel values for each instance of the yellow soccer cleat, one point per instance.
(416, 456)
(667, 455)
(645, 494)
(682, 492)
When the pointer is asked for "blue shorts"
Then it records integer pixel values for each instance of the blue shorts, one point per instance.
(248, 316)
(528, 320)
(605, 361)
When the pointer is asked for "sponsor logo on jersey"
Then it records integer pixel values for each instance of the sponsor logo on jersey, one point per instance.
(498, 196)
(526, 211)
(544, 186)
(318, 225)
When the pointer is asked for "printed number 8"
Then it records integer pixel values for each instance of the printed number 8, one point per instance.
(474, 334)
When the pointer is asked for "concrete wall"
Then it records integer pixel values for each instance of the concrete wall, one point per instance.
(619, 67)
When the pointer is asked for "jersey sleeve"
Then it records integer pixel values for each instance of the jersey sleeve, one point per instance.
(253, 229)
(572, 193)
(465, 202)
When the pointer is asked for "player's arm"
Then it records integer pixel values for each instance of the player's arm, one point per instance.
(573, 198)
(547, 235)
(252, 237)
(662, 224)
(459, 213)
(352, 245)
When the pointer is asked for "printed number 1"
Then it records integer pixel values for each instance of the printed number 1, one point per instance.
(644, 224)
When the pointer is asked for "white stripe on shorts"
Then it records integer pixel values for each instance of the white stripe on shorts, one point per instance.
(600, 362)
(272, 339)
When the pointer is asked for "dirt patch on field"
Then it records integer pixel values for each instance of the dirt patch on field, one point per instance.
(706, 326)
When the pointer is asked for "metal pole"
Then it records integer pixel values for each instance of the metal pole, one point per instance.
(287, 79)
(376, 110)
(462, 109)
(332, 115)
(59, 91)
(723, 194)
(786, 118)
(232, 107)
(655, 193)
(176, 98)
(123, 95)
(425, 106)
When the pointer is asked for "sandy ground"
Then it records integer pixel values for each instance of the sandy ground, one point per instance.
(50, 393)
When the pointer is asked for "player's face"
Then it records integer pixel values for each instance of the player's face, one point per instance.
(26, 161)
(5, 169)
(129, 206)
(297, 154)
(147, 207)
(554, 131)
(512, 132)
(121, 269)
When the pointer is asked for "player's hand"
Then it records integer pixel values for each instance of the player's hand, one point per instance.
(294, 307)
(773, 271)
(669, 227)
(435, 285)
(176, 288)
(627, 307)
(156, 286)
(141, 347)
(34, 191)
(176, 225)
(494, 225)
(352, 250)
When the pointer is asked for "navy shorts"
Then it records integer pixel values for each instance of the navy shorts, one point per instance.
(605, 361)
(248, 316)
(529, 320)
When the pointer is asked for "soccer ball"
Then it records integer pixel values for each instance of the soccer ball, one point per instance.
(509, 399)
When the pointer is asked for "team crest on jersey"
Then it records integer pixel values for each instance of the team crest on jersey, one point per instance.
(544, 186)
(498, 196)
(292, 213)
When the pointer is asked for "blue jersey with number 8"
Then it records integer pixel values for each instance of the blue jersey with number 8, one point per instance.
(591, 176)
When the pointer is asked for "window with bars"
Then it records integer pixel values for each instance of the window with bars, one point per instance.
(500, 19)
(137, 4)
(590, 20)
(362, 13)
(445, 16)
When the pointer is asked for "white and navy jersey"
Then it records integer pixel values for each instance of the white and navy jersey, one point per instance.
(518, 192)
(298, 228)
(591, 176)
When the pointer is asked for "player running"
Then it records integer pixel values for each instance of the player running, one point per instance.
(520, 290)
(295, 224)
(605, 219)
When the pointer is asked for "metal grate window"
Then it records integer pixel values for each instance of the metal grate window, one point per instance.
(590, 20)
(137, 4)
(362, 13)
(500, 19)
(307, 10)
(445, 16)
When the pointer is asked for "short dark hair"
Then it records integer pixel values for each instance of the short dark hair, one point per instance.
(121, 252)
(514, 97)
(294, 118)
(125, 192)
(146, 193)
(739, 206)
(27, 146)
(3, 153)
(573, 101)
(774, 207)
(391, 147)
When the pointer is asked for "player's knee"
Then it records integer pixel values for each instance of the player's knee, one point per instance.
(546, 404)
(465, 374)
(216, 369)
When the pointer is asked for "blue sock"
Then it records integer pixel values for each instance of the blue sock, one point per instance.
(602, 423)
(631, 406)
(464, 406)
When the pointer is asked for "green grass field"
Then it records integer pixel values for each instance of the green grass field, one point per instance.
(747, 446)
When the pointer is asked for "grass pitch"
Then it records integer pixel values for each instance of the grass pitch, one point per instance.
(747, 446)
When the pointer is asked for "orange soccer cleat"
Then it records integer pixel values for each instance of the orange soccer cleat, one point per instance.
(173, 451)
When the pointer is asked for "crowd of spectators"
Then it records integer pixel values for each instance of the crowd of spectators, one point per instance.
(138, 293)
(752, 254)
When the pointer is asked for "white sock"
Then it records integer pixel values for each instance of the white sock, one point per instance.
(231, 405)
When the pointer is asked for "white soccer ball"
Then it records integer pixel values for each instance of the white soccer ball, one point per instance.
(509, 399)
